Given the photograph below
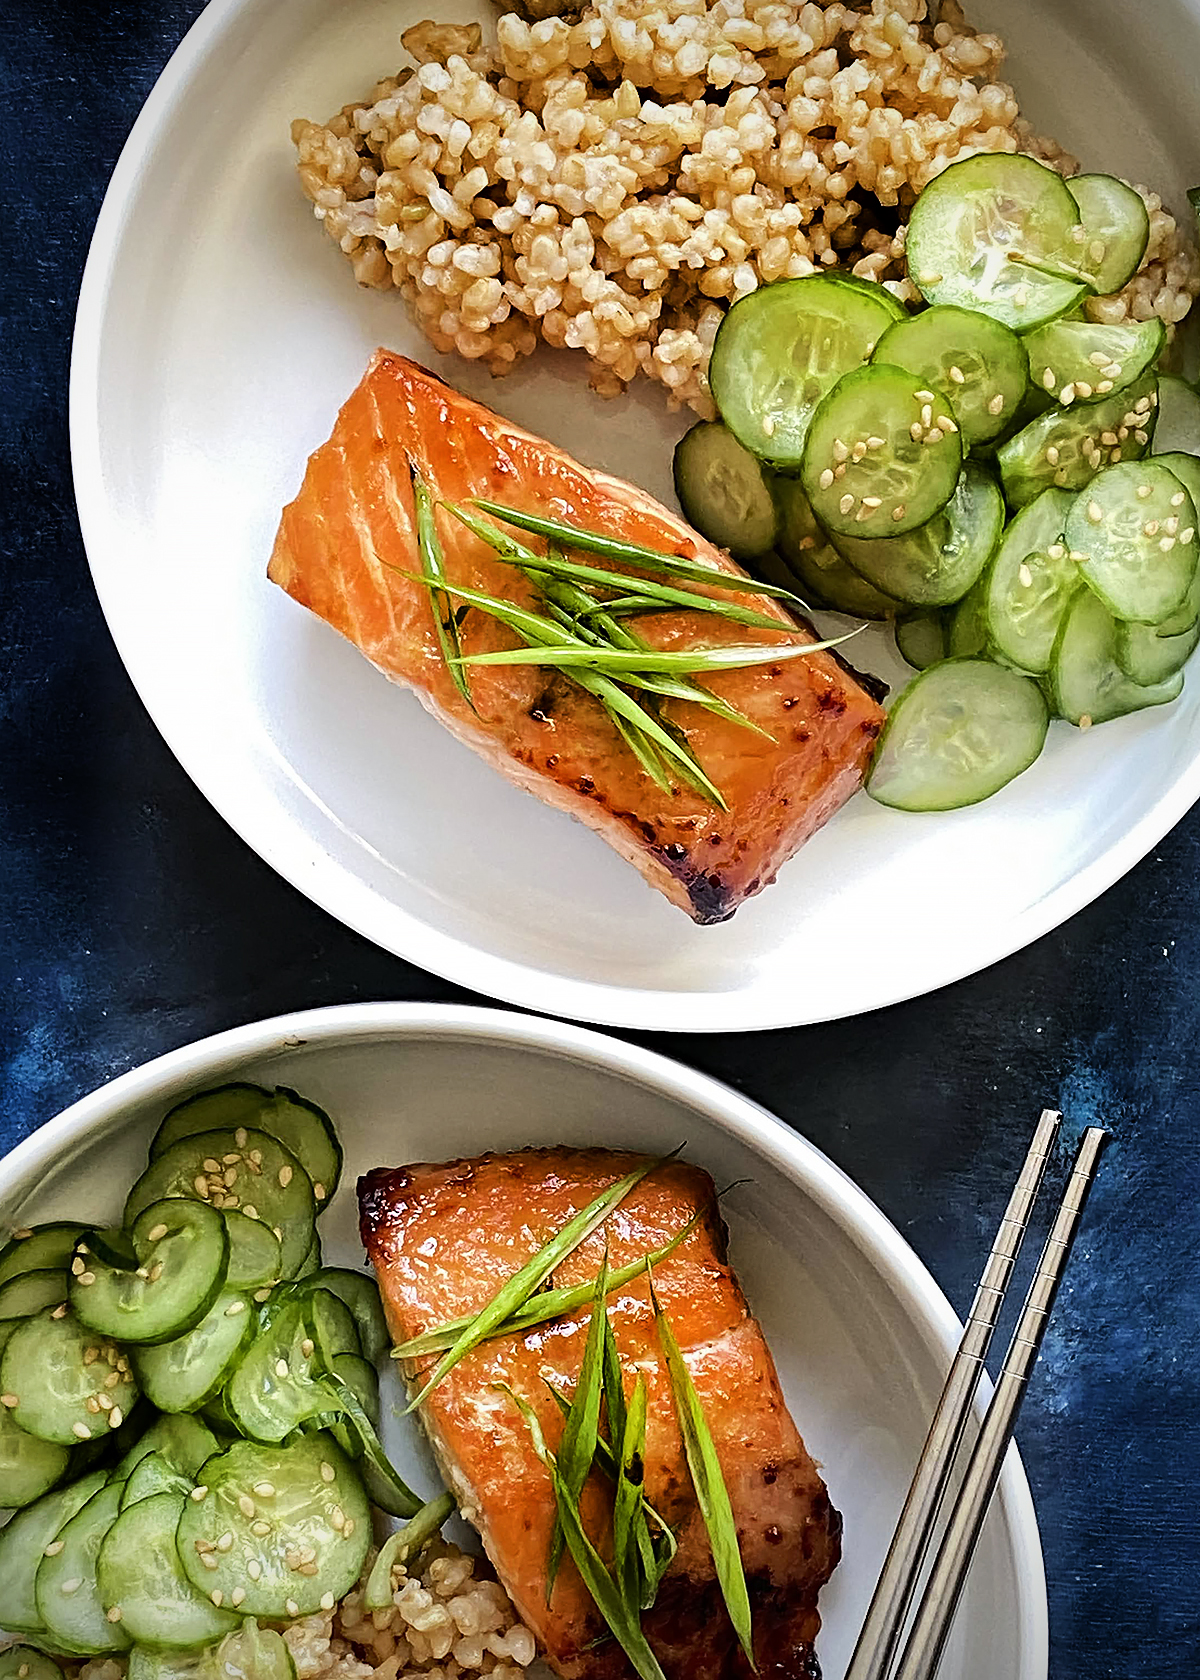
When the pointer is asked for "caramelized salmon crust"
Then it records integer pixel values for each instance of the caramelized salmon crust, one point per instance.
(346, 549)
(444, 1238)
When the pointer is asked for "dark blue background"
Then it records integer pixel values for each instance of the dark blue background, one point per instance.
(134, 920)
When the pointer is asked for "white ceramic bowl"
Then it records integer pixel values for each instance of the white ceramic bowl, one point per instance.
(218, 332)
(861, 1332)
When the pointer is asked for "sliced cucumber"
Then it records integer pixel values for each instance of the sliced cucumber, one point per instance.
(182, 1250)
(361, 1295)
(937, 564)
(978, 364)
(823, 576)
(311, 1262)
(1178, 425)
(243, 1169)
(881, 457)
(22, 1662)
(41, 1248)
(23, 1543)
(1088, 684)
(1065, 448)
(1030, 583)
(921, 639)
(32, 1292)
(222, 1109)
(283, 1114)
(779, 350)
(966, 634)
(254, 1252)
(1113, 232)
(183, 1441)
(53, 1366)
(140, 1576)
(1148, 657)
(273, 1390)
(252, 1653)
(184, 1375)
(1133, 536)
(1085, 361)
(958, 733)
(993, 233)
(155, 1474)
(362, 1378)
(723, 491)
(68, 1594)
(311, 1499)
(28, 1467)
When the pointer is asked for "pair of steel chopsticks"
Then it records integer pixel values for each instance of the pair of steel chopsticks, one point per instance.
(875, 1654)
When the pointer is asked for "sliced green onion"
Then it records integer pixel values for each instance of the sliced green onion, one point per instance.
(627, 1505)
(406, 1542)
(577, 1449)
(514, 1294)
(712, 1496)
(617, 661)
(615, 548)
(430, 550)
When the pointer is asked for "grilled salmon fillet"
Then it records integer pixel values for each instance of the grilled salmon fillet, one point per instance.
(444, 1238)
(352, 525)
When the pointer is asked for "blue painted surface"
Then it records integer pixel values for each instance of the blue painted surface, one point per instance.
(133, 921)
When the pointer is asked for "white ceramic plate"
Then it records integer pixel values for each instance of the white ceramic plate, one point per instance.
(218, 333)
(861, 1332)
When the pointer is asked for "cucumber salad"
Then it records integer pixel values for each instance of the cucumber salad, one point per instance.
(190, 1409)
(1012, 486)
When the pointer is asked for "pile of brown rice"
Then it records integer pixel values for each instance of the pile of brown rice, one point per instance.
(447, 1619)
(612, 179)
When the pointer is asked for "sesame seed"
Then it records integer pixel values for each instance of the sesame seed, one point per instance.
(1067, 395)
(306, 1347)
(281, 1367)
(1096, 250)
(826, 478)
(945, 422)
(1186, 535)
(768, 427)
(840, 452)
(9, 1400)
(899, 510)
(53, 1549)
(1104, 387)
(1114, 456)
(1171, 526)
(200, 1186)
(76, 1266)
(1052, 454)
(207, 1559)
(250, 1211)
(1025, 575)
(1048, 379)
(198, 1493)
(338, 1517)
(1112, 370)
(846, 503)
(306, 1569)
(157, 1234)
(241, 1137)
(1141, 436)
(872, 502)
(217, 1596)
(104, 1400)
(1177, 500)
(996, 404)
(81, 1431)
(915, 431)
(327, 1471)
(265, 1490)
(260, 1528)
(1144, 404)
(71, 1586)
(204, 1545)
(116, 1418)
(1085, 721)
(862, 514)
(225, 1543)
(285, 1171)
(142, 1273)
(1144, 490)
(234, 1308)
(876, 442)
(327, 1601)
(261, 1295)
(114, 1615)
(1166, 544)
(958, 376)
(933, 435)
(211, 1165)
(254, 1569)
(1079, 233)
(840, 470)
(859, 450)
(1021, 296)
(236, 1596)
(1098, 358)
(92, 1404)
(1077, 556)
(1108, 439)
(349, 1528)
(1056, 551)
(1082, 389)
(229, 1177)
(156, 1271)
(255, 1158)
(112, 1379)
(292, 1608)
(1062, 475)
(807, 542)
(1095, 512)
(86, 1278)
(928, 278)
(925, 396)
(926, 414)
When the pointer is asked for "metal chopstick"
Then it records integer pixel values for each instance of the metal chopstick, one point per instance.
(939, 1601)
(885, 1618)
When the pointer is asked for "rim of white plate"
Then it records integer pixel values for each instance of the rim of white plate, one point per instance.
(333, 886)
(792, 1155)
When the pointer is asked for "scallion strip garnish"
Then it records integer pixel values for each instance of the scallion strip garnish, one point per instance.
(514, 1294)
(406, 1542)
(628, 1515)
(577, 1449)
(605, 1594)
(547, 1304)
(516, 553)
(633, 554)
(617, 662)
(708, 1482)
(430, 550)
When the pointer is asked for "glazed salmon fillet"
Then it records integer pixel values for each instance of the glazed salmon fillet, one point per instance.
(444, 1238)
(345, 541)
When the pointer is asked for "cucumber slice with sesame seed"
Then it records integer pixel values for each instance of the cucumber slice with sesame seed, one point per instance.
(1087, 683)
(1178, 425)
(183, 1441)
(43, 1248)
(182, 1252)
(183, 1375)
(780, 349)
(361, 1295)
(1133, 536)
(23, 1543)
(1113, 231)
(67, 1591)
(993, 233)
(958, 734)
(935, 565)
(1030, 583)
(154, 1474)
(140, 1575)
(32, 1292)
(307, 1497)
(823, 576)
(1084, 361)
(723, 491)
(298, 1124)
(251, 1653)
(254, 1251)
(274, 1389)
(921, 639)
(28, 1467)
(881, 456)
(977, 364)
(243, 1169)
(54, 1366)
(22, 1662)
(1065, 447)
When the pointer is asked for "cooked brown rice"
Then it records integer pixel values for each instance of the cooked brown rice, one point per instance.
(611, 180)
